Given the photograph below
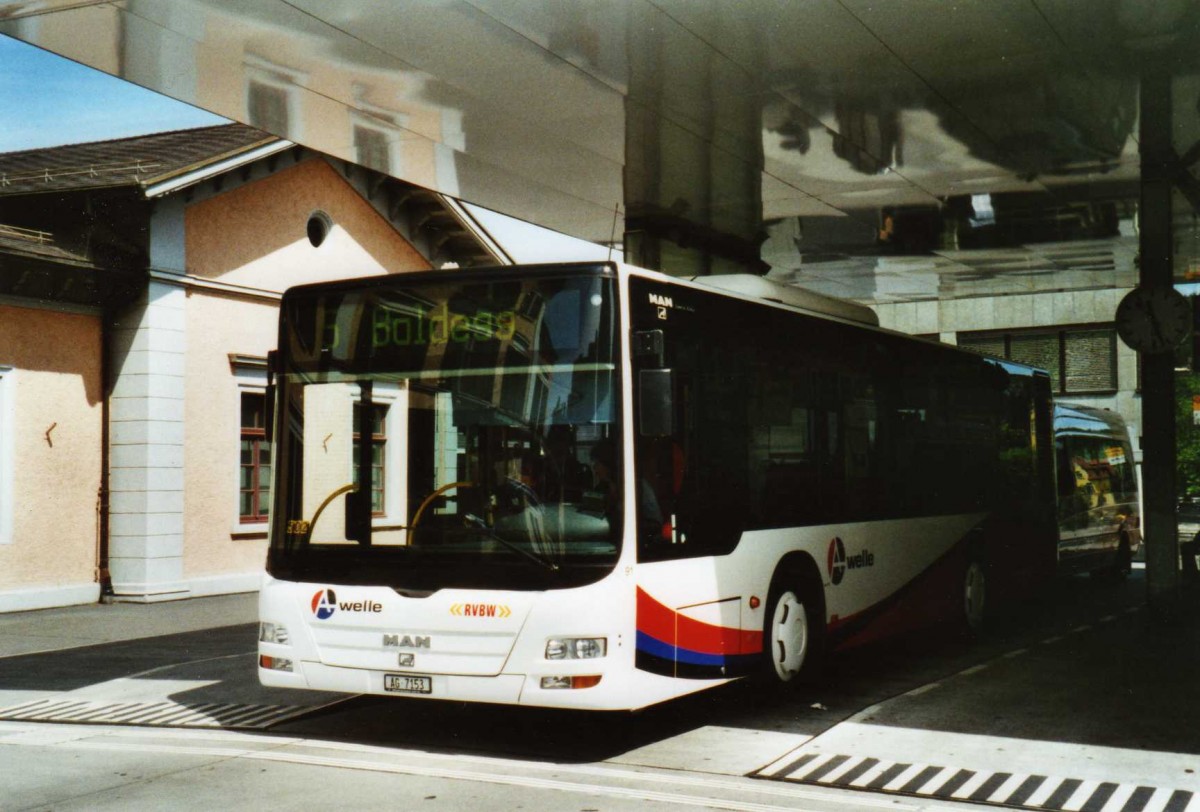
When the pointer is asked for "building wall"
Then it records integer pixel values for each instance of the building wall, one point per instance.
(254, 237)
(1081, 307)
(52, 396)
(215, 544)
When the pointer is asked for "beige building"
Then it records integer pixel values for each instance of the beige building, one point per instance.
(139, 289)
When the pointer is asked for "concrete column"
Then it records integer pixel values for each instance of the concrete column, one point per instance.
(146, 452)
(1158, 370)
(149, 343)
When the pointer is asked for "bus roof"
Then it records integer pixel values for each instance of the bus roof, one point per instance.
(1088, 419)
(757, 287)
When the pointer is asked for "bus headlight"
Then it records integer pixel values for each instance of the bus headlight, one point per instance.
(273, 633)
(576, 648)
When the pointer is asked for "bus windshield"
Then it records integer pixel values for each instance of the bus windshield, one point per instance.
(448, 431)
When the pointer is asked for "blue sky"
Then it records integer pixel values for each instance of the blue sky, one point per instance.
(48, 100)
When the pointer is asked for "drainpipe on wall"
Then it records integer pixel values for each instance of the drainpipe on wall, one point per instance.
(102, 502)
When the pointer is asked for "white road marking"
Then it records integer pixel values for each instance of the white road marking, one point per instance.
(904, 777)
(1007, 788)
(834, 775)
(1118, 799)
(1081, 796)
(975, 782)
(871, 774)
(1044, 791)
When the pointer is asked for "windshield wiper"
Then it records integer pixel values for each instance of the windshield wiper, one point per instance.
(479, 524)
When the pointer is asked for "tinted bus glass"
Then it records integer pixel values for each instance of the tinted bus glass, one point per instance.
(474, 464)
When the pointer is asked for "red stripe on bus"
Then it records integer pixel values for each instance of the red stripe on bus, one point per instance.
(669, 626)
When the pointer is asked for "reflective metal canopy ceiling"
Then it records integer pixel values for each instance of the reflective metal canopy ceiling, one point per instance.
(696, 119)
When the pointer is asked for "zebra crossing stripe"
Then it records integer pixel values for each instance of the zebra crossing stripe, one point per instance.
(919, 780)
(997, 788)
(1179, 801)
(863, 767)
(1084, 791)
(161, 714)
(1044, 792)
(1138, 801)
(1025, 791)
(973, 785)
(887, 775)
(904, 776)
(870, 775)
(1099, 798)
(948, 788)
(826, 768)
(799, 763)
(990, 787)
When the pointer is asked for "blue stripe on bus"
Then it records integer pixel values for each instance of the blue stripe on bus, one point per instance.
(666, 651)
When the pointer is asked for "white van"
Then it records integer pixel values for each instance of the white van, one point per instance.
(1098, 523)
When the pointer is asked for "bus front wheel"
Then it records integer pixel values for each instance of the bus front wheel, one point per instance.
(792, 639)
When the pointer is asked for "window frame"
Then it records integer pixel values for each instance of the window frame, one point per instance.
(379, 473)
(387, 395)
(1060, 333)
(250, 377)
(287, 81)
(387, 123)
(257, 436)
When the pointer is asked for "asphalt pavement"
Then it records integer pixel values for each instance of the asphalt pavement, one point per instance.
(1086, 700)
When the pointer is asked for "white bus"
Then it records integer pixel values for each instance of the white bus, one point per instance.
(594, 486)
(1099, 525)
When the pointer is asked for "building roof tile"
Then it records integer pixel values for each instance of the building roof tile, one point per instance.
(138, 161)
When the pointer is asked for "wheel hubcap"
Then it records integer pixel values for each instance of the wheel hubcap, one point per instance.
(789, 636)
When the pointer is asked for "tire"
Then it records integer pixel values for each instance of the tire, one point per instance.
(793, 636)
(973, 604)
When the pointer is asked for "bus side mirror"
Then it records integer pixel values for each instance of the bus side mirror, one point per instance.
(656, 402)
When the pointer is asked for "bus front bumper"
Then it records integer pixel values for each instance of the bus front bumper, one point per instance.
(614, 691)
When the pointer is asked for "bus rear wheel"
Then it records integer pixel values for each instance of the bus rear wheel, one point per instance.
(974, 596)
(792, 637)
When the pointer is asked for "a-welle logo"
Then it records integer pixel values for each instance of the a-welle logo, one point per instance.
(837, 562)
(325, 604)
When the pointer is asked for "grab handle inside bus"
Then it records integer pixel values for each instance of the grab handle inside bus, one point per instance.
(656, 402)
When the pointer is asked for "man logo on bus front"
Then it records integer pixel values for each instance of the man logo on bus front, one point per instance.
(323, 604)
(836, 561)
